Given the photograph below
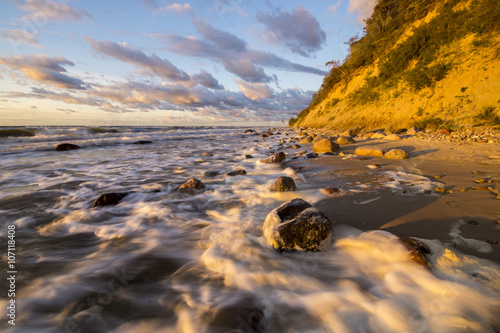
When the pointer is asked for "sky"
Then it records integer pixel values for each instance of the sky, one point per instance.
(165, 63)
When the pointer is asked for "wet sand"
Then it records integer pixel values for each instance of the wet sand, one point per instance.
(459, 219)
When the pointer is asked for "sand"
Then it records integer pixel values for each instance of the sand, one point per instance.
(466, 221)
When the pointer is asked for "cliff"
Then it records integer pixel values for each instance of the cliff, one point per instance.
(419, 63)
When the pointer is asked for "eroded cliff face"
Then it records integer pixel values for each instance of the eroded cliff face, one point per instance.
(421, 78)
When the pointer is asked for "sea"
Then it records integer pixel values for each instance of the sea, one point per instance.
(166, 261)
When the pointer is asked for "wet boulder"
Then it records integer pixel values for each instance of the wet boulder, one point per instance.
(312, 155)
(307, 139)
(249, 131)
(109, 199)
(191, 185)
(418, 250)
(297, 225)
(237, 172)
(325, 146)
(142, 142)
(284, 184)
(67, 146)
(276, 158)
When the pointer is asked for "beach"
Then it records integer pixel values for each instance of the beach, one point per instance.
(163, 229)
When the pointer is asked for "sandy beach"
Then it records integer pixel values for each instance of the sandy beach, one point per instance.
(465, 217)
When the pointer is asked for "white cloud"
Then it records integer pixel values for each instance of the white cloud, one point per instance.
(21, 36)
(255, 91)
(48, 10)
(333, 9)
(361, 8)
(177, 7)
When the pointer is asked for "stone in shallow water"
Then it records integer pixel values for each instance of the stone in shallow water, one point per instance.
(109, 199)
(297, 225)
(142, 142)
(276, 158)
(191, 185)
(418, 250)
(238, 172)
(325, 145)
(284, 184)
(67, 146)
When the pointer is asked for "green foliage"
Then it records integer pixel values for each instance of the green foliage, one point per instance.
(433, 123)
(488, 116)
(425, 76)
(463, 89)
(364, 95)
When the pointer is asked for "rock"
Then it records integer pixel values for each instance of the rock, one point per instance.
(333, 191)
(276, 158)
(142, 142)
(248, 131)
(418, 250)
(369, 151)
(368, 135)
(392, 137)
(325, 145)
(344, 140)
(312, 155)
(329, 153)
(494, 156)
(396, 154)
(413, 130)
(353, 131)
(237, 172)
(297, 225)
(296, 146)
(307, 139)
(302, 152)
(109, 199)
(210, 174)
(442, 131)
(207, 154)
(440, 190)
(248, 157)
(373, 166)
(67, 146)
(264, 135)
(378, 135)
(191, 185)
(284, 184)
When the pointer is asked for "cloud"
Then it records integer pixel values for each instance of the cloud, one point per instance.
(21, 36)
(149, 65)
(362, 8)
(34, 107)
(232, 52)
(44, 69)
(207, 80)
(299, 31)
(255, 91)
(177, 7)
(49, 10)
(68, 111)
(333, 9)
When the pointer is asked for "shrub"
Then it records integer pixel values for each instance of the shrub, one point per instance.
(433, 123)
(488, 116)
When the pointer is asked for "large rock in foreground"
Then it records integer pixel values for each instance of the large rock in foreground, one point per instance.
(297, 225)
(325, 146)
(369, 151)
(108, 199)
(67, 146)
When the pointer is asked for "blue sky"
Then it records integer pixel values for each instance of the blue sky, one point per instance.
(158, 62)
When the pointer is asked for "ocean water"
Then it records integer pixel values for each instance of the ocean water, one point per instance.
(164, 261)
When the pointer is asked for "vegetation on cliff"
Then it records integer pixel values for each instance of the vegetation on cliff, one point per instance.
(407, 46)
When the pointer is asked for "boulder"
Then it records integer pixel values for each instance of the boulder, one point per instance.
(369, 151)
(109, 199)
(297, 225)
(237, 172)
(392, 137)
(142, 142)
(418, 250)
(207, 154)
(368, 135)
(296, 146)
(311, 155)
(210, 174)
(276, 158)
(442, 131)
(307, 139)
(413, 130)
(248, 131)
(345, 140)
(284, 184)
(325, 145)
(191, 185)
(333, 191)
(67, 146)
(378, 135)
(396, 154)
(248, 157)
(302, 152)
(353, 131)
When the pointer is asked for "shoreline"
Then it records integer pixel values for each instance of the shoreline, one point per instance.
(464, 220)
